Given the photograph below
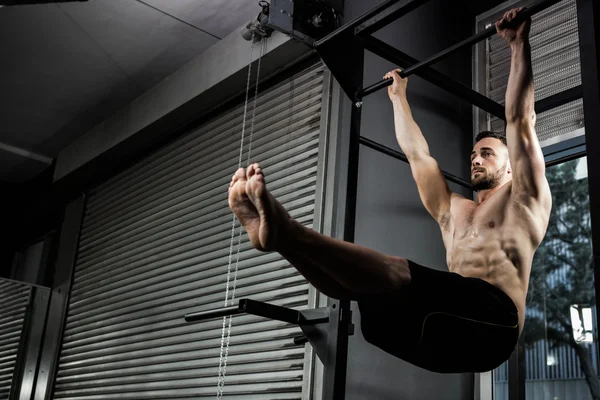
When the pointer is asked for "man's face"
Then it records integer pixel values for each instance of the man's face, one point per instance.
(489, 163)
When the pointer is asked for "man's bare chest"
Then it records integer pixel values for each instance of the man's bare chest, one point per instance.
(488, 218)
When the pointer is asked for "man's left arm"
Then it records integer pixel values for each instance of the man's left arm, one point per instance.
(526, 157)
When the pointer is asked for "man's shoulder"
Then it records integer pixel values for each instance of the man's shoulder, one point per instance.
(533, 213)
(538, 201)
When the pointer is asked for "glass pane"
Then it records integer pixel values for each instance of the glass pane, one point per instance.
(561, 330)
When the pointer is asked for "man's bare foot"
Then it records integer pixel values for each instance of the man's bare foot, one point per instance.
(264, 218)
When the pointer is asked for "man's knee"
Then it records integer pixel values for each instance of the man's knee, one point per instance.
(398, 271)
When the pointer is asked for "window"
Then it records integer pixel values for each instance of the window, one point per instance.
(560, 327)
(556, 67)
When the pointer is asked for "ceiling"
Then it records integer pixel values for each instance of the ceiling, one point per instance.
(68, 66)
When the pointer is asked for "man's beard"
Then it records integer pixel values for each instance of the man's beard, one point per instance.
(488, 181)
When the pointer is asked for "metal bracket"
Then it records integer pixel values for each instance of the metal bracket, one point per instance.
(313, 322)
(281, 16)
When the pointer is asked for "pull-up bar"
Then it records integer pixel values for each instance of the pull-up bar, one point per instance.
(489, 32)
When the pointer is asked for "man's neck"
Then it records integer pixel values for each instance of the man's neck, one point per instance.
(483, 195)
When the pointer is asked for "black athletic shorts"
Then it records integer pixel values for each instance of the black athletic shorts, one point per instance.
(442, 322)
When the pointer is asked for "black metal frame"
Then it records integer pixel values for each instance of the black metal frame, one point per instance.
(356, 35)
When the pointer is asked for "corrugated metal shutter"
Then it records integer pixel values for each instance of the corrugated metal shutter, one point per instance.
(556, 67)
(14, 300)
(154, 246)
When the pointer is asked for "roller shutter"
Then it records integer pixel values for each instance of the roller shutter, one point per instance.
(154, 246)
(556, 67)
(14, 299)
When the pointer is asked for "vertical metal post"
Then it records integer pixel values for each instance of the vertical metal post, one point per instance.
(334, 377)
(65, 264)
(20, 361)
(516, 372)
(588, 14)
(313, 375)
(35, 332)
(334, 380)
(341, 313)
(353, 163)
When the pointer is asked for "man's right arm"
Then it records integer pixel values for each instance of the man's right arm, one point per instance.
(431, 183)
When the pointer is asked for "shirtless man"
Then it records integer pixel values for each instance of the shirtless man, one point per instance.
(469, 318)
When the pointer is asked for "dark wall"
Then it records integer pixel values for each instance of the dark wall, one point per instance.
(390, 216)
(7, 205)
(29, 214)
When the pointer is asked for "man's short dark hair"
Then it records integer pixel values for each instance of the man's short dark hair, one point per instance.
(490, 134)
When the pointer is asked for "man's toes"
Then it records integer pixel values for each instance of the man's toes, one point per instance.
(257, 172)
(240, 174)
(252, 170)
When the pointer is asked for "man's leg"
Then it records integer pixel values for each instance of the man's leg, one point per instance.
(356, 268)
(322, 281)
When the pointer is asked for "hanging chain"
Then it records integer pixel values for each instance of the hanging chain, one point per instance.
(263, 49)
(290, 120)
(224, 353)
